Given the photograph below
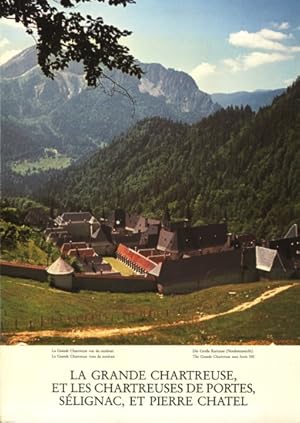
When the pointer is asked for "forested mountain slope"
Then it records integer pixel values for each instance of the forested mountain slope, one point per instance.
(234, 164)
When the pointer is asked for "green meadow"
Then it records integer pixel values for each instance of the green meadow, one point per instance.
(33, 306)
(28, 167)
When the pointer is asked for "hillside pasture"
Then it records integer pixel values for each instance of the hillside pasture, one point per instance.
(27, 167)
(35, 307)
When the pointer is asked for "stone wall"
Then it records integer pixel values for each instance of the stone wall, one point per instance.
(113, 283)
(81, 281)
(24, 270)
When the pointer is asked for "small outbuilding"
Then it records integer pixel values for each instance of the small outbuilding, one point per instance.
(61, 274)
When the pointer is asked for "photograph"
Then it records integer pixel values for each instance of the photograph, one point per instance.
(150, 208)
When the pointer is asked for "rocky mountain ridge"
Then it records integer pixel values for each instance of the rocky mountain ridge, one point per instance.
(81, 119)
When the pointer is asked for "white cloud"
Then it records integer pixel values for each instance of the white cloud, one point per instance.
(265, 39)
(4, 57)
(11, 23)
(272, 35)
(273, 42)
(282, 25)
(4, 42)
(255, 59)
(295, 49)
(235, 65)
(202, 71)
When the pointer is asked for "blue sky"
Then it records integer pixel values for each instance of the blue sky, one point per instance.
(226, 45)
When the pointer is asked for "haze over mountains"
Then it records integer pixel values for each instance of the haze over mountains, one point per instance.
(254, 99)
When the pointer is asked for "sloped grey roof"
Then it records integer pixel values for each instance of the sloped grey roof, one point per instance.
(154, 221)
(76, 216)
(143, 224)
(167, 241)
(102, 234)
(131, 220)
(127, 239)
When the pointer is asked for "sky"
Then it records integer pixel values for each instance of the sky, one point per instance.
(225, 45)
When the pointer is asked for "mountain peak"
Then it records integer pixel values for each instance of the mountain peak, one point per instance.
(178, 88)
(20, 64)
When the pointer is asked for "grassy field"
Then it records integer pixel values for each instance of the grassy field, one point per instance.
(29, 305)
(275, 320)
(44, 163)
(119, 266)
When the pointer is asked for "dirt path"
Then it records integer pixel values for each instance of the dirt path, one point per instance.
(14, 338)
